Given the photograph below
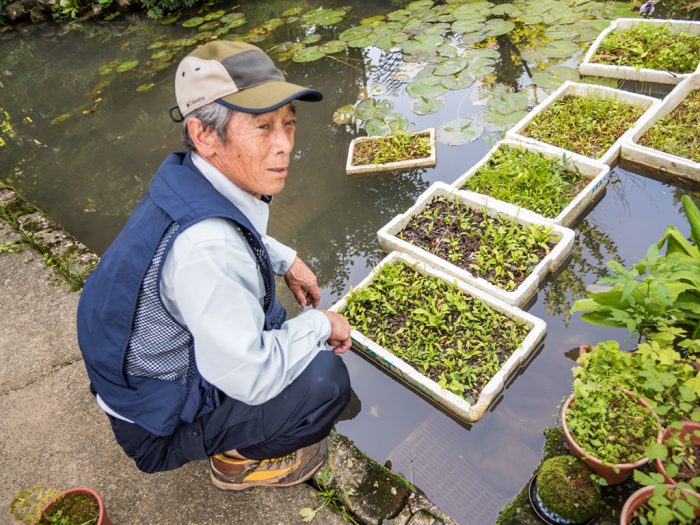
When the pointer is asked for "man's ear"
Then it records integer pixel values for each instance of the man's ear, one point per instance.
(206, 141)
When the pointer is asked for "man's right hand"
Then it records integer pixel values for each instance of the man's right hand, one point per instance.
(340, 332)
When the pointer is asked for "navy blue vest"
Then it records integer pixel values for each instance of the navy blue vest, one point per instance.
(113, 305)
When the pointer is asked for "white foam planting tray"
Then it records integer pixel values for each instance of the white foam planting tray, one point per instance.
(399, 368)
(595, 172)
(631, 73)
(563, 237)
(583, 90)
(425, 162)
(665, 162)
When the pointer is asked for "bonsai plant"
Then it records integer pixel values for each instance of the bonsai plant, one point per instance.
(39, 505)
(400, 150)
(565, 491)
(609, 429)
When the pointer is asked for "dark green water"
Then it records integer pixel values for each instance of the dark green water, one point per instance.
(89, 171)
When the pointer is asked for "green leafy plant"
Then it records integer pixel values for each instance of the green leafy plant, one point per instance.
(497, 249)
(28, 504)
(445, 334)
(650, 46)
(400, 145)
(528, 179)
(589, 126)
(679, 454)
(668, 505)
(676, 133)
(329, 499)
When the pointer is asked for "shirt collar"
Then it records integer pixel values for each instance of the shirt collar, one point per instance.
(256, 210)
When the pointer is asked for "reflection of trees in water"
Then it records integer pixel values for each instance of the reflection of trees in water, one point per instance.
(592, 249)
(508, 71)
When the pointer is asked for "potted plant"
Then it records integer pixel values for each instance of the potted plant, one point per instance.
(455, 344)
(678, 460)
(661, 504)
(401, 150)
(564, 492)
(609, 429)
(39, 505)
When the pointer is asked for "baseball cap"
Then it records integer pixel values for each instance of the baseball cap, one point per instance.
(236, 74)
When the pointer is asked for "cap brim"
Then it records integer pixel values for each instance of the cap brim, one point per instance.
(269, 96)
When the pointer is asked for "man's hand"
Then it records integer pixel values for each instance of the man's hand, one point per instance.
(340, 332)
(302, 282)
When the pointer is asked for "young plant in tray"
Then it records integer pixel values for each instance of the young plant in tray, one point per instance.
(528, 179)
(496, 249)
(677, 133)
(650, 46)
(588, 126)
(445, 334)
(400, 145)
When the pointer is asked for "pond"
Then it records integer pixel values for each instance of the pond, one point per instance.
(82, 141)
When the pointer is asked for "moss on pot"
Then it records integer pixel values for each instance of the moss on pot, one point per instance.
(564, 484)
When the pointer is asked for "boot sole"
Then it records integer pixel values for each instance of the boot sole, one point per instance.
(223, 485)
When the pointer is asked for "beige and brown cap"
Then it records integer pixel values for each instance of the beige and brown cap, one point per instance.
(237, 75)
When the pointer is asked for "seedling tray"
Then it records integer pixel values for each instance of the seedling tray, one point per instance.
(562, 237)
(595, 172)
(425, 162)
(609, 157)
(661, 160)
(397, 367)
(632, 73)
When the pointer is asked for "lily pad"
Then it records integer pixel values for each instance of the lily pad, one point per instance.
(167, 20)
(467, 26)
(447, 50)
(555, 76)
(344, 114)
(233, 18)
(508, 103)
(209, 26)
(472, 10)
(335, 46)
(355, 33)
(193, 22)
(428, 87)
(309, 54)
(145, 88)
(214, 15)
(377, 126)
(462, 80)
(420, 5)
(560, 49)
(106, 69)
(425, 106)
(272, 24)
(396, 121)
(480, 66)
(459, 131)
(399, 15)
(373, 20)
(427, 43)
(497, 26)
(324, 17)
(366, 110)
(503, 121)
(161, 54)
(451, 66)
(127, 65)
(312, 38)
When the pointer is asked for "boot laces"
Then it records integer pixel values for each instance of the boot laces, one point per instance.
(282, 460)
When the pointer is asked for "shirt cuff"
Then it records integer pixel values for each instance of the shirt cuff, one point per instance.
(316, 321)
(281, 256)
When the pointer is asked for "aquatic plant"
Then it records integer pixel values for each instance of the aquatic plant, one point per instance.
(400, 145)
(677, 133)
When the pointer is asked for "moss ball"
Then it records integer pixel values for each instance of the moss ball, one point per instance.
(565, 487)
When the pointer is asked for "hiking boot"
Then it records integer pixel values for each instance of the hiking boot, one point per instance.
(239, 474)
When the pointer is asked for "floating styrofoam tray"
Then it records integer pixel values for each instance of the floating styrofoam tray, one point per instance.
(425, 162)
(595, 172)
(631, 73)
(666, 162)
(399, 368)
(583, 90)
(563, 237)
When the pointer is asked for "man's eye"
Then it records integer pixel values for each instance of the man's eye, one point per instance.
(263, 126)
(292, 123)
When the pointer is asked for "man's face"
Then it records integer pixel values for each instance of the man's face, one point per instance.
(256, 155)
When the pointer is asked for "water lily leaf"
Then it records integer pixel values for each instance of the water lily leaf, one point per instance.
(396, 121)
(425, 70)
(145, 88)
(312, 38)
(420, 5)
(360, 42)
(377, 126)
(214, 15)
(481, 53)
(507, 9)
(209, 26)
(560, 49)
(428, 87)
(481, 66)
(354, 34)
(385, 42)
(233, 19)
(127, 65)
(335, 46)
(473, 38)
(161, 54)
(555, 76)
(287, 50)
(106, 69)
(309, 54)
(417, 27)
(531, 20)
(467, 26)
(472, 10)
(167, 20)
(503, 121)
(344, 114)
(561, 33)
(437, 28)
(507, 103)
(459, 131)
(272, 24)
(383, 108)
(425, 106)
(373, 20)
(462, 80)
(193, 22)
(324, 17)
(497, 26)
(424, 43)
(451, 66)
(399, 14)
(532, 55)
(293, 11)
(366, 110)
(447, 50)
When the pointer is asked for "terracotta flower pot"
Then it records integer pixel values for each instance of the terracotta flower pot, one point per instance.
(613, 474)
(103, 517)
(688, 426)
(641, 496)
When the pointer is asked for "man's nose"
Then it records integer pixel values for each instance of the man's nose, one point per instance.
(284, 141)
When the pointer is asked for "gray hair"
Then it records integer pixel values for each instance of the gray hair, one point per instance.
(213, 116)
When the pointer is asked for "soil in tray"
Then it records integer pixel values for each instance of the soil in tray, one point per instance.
(528, 179)
(650, 46)
(496, 249)
(589, 126)
(440, 331)
(678, 132)
(392, 148)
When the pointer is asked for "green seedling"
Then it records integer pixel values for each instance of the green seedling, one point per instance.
(589, 126)
(400, 145)
(528, 179)
(495, 248)
(443, 333)
(677, 133)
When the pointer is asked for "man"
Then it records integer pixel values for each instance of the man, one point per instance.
(186, 347)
